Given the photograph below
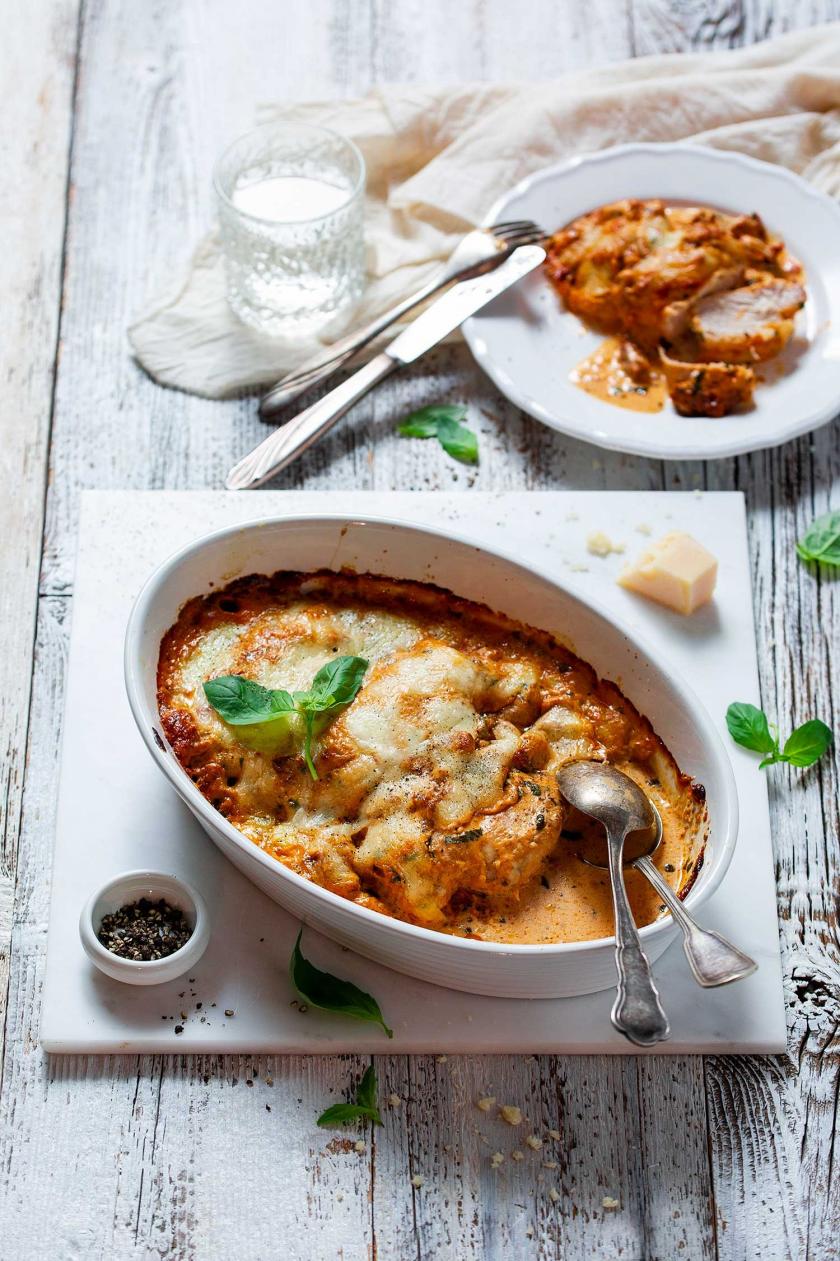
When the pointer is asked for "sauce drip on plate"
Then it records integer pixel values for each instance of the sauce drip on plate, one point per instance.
(617, 373)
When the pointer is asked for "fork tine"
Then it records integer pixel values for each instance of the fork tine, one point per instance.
(529, 229)
(535, 237)
(512, 226)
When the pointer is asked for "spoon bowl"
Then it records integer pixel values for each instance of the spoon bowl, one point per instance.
(637, 845)
(608, 795)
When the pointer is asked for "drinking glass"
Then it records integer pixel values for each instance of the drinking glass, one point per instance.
(291, 208)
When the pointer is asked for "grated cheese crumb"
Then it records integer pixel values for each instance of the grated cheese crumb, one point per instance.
(572, 516)
(609, 1202)
(486, 1103)
(517, 1155)
(643, 528)
(417, 1181)
(553, 1194)
(496, 1159)
(533, 1142)
(394, 1101)
(511, 1114)
(549, 1164)
(579, 569)
(360, 1145)
(441, 1059)
(600, 544)
(555, 1134)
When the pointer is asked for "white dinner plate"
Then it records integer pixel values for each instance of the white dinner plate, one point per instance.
(528, 344)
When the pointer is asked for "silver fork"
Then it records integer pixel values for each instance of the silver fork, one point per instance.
(481, 250)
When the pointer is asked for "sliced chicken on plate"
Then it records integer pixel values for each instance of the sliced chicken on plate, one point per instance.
(746, 325)
(708, 389)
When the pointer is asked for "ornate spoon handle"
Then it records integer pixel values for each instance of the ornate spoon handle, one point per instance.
(637, 1011)
(713, 960)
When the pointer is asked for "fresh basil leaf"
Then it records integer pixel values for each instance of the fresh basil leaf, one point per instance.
(807, 743)
(244, 703)
(364, 1106)
(308, 737)
(425, 421)
(338, 682)
(458, 441)
(241, 702)
(444, 423)
(335, 685)
(822, 540)
(366, 1092)
(748, 726)
(341, 1113)
(418, 428)
(330, 993)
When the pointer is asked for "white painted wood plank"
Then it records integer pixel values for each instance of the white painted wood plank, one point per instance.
(773, 1124)
(36, 88)
(697, 25)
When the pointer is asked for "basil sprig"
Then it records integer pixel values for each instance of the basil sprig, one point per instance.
(330, 993)
(363, 1107)
(748, 726)
(822, 541)
(244, 703)
(444, 423)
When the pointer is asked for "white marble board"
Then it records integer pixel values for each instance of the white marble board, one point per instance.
(116, 812)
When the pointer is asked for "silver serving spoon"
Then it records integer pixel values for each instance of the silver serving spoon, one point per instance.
(596, 789)
(713, 960)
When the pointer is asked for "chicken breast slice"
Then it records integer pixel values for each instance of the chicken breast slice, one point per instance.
(491, 862)
(708, 389)
(745, 325)
(677, 316)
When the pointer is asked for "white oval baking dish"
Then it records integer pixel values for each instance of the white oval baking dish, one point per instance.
(396, 549)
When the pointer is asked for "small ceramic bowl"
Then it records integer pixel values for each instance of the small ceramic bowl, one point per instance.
(129, 887)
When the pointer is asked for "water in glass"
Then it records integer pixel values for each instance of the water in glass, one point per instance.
(291, 215)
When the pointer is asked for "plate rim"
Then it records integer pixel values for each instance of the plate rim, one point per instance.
(723, 447)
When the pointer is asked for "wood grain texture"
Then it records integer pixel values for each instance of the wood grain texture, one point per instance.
(37, 57)
(180, 1157)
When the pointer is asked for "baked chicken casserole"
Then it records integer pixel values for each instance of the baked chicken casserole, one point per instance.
(429, 792)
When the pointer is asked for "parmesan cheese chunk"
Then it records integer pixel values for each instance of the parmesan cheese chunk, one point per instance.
(676, 571)
(600, 544)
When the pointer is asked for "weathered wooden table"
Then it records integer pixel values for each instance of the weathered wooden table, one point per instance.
(111, 116)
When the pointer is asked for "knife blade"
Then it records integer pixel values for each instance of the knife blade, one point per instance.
(285, 444)
(462, 301)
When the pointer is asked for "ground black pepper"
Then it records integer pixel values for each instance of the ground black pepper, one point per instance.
(144, 930)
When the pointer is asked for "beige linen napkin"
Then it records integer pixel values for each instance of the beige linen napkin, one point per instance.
(438, 157)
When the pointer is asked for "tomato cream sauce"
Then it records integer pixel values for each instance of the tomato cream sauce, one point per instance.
(604, 375)
(573, 900)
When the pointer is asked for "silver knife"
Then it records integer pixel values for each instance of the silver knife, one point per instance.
(437, 321)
